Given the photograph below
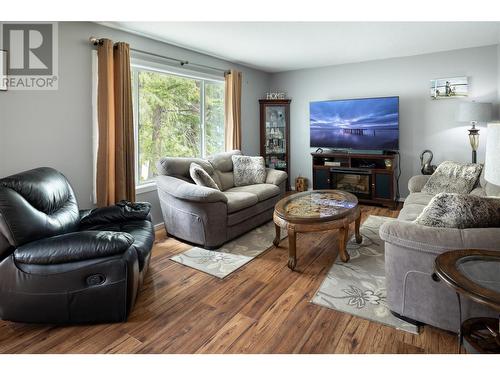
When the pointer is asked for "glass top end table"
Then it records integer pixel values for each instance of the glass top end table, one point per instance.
(475, 274)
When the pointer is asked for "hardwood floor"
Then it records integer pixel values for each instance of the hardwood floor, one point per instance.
(261, 308)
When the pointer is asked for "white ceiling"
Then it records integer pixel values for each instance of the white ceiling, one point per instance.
(281, 46)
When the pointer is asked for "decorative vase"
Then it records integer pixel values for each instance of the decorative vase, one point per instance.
(300, 184)
(426, 167)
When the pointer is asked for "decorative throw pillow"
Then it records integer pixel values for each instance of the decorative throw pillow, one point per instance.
(447, 210)
(201, 177)
(248, 170)
(452, 177)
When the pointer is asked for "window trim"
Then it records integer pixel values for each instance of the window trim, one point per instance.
(167, 69)
(137, 65)
(146, 187)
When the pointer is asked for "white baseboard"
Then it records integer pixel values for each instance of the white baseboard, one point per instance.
(159, 226)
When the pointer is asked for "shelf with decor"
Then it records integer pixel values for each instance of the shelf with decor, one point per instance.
(275, 134)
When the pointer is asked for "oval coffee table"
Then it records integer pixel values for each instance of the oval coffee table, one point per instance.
(317, 211)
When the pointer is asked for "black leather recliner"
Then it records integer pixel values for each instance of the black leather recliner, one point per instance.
(62, 265)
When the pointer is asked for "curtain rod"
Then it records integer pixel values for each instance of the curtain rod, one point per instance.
(97, 41)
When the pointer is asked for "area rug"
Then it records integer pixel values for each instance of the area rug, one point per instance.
(358, 287)
(232, 255)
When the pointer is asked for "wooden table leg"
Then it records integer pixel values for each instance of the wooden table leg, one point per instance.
(343, 233)
(276, 241)
(357, 223)
(292, 255)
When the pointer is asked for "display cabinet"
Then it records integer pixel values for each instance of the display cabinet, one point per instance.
(275, 134)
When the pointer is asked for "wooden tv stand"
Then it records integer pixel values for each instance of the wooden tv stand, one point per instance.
(372, 178)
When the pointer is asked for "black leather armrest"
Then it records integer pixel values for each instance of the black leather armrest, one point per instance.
(122, 211)
(73, 247)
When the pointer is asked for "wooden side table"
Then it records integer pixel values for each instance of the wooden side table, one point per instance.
(474, 274)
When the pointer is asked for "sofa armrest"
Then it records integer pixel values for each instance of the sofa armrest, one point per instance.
(416, 183)
(188, 191)
(275, 176)
(438, 240)
(73, 247)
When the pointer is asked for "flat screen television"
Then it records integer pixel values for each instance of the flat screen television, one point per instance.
(356, 124)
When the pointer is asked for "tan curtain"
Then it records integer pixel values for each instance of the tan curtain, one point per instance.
(115, 154)
(232, 110)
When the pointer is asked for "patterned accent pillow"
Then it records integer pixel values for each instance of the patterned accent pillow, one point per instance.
(452, 177)
(201, 177)
(248, 170)
(461, 211)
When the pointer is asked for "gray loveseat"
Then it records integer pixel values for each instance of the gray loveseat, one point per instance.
(209, 217)
(410, 251)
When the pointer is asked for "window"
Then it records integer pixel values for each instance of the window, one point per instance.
(175, 115)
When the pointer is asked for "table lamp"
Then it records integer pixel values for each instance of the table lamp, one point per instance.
(473, 113)
(492, 161)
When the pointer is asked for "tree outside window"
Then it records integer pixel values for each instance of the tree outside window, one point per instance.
(176, 116)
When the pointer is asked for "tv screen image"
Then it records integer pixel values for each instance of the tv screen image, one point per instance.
(359, 124)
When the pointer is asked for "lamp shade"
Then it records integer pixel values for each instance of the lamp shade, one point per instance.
(492, 160)
(472, 111)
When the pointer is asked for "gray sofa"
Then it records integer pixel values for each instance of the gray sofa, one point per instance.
(410, 251)
(209, 217)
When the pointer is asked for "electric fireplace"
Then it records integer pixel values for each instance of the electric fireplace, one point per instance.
(357, 183)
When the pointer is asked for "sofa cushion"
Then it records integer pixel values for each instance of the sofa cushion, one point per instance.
(225, 180)
(461, 211)
(222, 161)
(275, 176)
(238, 200)
(416, 183)
(187, 178)
(410, 211)
(217, 180)
(201, 177)
(187, 191)
(453, 177)
(248, 170)
(243, 215)
(418, 198)
(262, 191)
(478, 192)
(173, 166)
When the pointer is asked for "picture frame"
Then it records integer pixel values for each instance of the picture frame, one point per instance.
(446, 88)
(3, 70)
